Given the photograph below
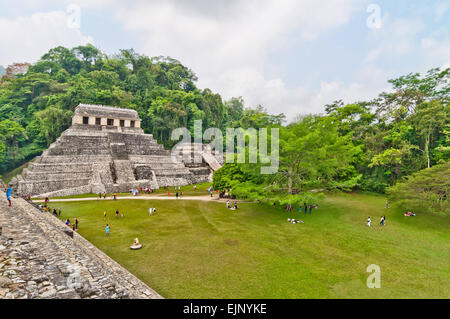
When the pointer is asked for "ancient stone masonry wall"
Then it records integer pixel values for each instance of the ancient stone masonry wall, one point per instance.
(40, 257)
(102, 158)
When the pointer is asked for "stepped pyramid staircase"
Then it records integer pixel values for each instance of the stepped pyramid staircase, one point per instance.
(100, 159)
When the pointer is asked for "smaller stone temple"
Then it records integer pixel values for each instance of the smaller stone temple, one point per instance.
(105, 150)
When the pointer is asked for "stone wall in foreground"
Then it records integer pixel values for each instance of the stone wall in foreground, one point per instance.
(40, 257)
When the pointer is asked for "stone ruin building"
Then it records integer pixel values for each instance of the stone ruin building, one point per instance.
(105, 150)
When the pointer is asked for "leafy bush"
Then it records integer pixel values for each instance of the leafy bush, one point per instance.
(424, 191)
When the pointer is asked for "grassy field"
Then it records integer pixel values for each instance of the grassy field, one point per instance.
(200, 249)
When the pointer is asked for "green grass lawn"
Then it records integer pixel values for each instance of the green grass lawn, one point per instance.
(200, 249)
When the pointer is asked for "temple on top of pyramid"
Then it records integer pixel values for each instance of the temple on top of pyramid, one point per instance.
(86, 114)
(105, 150)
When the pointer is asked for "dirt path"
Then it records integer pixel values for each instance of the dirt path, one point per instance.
(141, 197)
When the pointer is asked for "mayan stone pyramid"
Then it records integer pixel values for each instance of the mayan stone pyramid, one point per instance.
(105, 150)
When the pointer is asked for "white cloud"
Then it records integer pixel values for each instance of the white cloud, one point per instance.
(227, 43)
(27, 38)
(230, 44)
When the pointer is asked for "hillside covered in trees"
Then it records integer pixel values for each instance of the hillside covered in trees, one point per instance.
(365, 145)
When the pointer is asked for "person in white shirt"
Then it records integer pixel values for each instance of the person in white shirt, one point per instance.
(368, 221)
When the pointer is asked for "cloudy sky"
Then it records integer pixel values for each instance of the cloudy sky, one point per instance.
(291, 56)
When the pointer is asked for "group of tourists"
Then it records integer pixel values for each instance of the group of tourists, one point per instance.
(300, 208)
(56, 213)
(105, 214)
(148, 190)
(117, 214)
(382, 221)
(231, 205)
(293, 221)
(74, 226)
(103, 195)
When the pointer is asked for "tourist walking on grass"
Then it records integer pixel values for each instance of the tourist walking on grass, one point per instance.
(176, 195)
(104, 215)
(107, 230)
(76, 223)
(117, 213)
(9, 194)
(368, 221)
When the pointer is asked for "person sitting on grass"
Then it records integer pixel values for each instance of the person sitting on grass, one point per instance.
(67, 222)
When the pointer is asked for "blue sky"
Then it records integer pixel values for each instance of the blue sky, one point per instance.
(290, 56)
